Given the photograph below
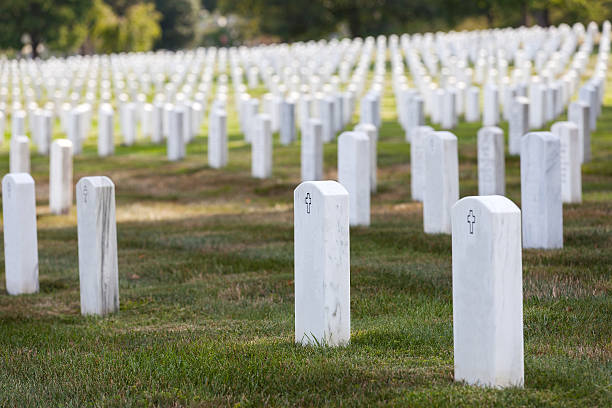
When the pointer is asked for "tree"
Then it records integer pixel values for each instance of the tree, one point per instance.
(136, 30)
(178, 23)
(44, 21)
(141, 27)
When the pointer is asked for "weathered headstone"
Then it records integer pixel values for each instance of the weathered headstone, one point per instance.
(441, 181)
(312, 151)
(542, 209)
(487, 292)
(20, 241)
(261, 147)
(372, 133)
(60, 176)
(322, 266)
(354, 174)
(491, 165)
(571, 178)
(97, 236)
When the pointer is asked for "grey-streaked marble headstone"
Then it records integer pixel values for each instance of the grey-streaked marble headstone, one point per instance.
(97, 236)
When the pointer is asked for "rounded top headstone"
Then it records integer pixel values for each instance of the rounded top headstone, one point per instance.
(325, 187)
(18, 178)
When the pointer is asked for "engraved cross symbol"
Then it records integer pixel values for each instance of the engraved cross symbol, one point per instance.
(85, 193)
(308, 202)
(471, 219)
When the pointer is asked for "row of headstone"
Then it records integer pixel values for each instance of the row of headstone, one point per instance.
(486, 269)
(550, 175)
(97, 240)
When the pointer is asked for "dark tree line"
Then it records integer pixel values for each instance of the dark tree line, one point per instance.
(68, 26)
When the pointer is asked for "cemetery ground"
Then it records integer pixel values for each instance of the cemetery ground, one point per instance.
(206, 290)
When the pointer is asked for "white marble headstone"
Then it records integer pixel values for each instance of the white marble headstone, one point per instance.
(74, 130)
(157, 126)
(312, 151)
(60, 176)
(354, 174)
(578, 113)
(491, 164)
(322, 265)
(542, 209)
(44, 124)
(287, 127)
(472, 105)
(518, 124)
(261, 147)
(326, 116)
(18, 123)
(176, 142)
(372, 133)
(217, 139)
(588, 95)
(487, 292)
(417, 161)
(20, 241)
(106, 142)
(19, 155)
(490, 116)
(571, 178)
(97, 236)
(441, 181)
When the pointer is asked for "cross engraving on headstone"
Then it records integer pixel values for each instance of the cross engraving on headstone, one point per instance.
(308, 202)
(85, 192)
(471, 219)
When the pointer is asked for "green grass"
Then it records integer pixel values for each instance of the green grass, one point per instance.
(206, 288)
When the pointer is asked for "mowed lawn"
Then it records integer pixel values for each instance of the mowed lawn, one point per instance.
(206, 289)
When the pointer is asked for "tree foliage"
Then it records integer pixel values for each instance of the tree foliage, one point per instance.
(302, 19)
(134, 30)
(43, 21)
(140, 25)
(178, 23)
